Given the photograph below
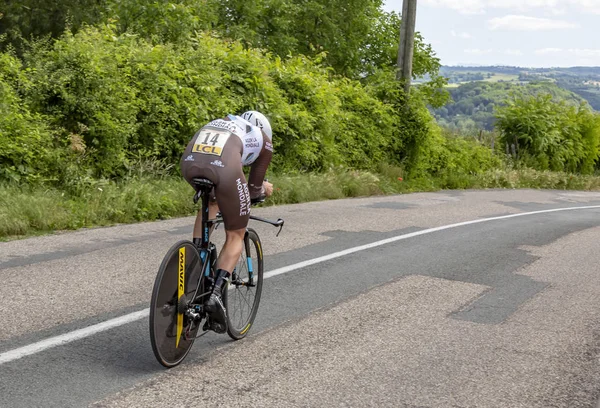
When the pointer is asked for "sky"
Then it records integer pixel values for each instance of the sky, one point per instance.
(525, 33)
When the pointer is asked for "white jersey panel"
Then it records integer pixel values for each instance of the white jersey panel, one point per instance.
(251, 137)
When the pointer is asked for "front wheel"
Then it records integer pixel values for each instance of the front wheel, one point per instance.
(172, 333)
(243, 295)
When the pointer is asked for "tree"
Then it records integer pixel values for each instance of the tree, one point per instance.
(36, 18)
(162, 20)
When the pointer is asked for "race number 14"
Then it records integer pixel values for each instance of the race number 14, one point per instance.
(210, 141)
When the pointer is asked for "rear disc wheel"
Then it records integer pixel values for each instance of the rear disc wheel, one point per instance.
(172, 333)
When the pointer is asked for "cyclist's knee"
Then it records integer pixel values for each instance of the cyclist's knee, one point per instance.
(235, 235)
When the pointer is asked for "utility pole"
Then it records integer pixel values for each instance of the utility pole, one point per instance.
(407, 42)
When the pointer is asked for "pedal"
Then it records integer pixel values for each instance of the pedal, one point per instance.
(218, 328)
(209, 324)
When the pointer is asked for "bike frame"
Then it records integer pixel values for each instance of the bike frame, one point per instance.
(206, 248)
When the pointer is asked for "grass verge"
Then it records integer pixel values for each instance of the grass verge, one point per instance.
(26, 211)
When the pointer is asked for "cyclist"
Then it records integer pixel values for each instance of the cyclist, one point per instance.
(218, 153)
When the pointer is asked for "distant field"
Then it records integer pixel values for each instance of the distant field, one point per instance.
(494, 78)
(583, 81)
(502, 77)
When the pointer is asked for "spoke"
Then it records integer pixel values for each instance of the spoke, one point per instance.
(242, 295)
(238, 306)
(241, 314)
(245, 300)
(240, 298)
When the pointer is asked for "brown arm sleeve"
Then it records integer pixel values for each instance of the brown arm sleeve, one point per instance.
(259, 168)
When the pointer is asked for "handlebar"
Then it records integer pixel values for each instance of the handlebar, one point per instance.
(279, 223)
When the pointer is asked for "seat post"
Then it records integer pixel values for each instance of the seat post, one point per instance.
(203, 188)
(205, 228)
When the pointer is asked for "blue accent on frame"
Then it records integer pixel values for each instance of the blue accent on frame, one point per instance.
(203, 255)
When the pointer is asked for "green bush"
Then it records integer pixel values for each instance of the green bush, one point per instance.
(81, 84)
(115, 98)
(551, 135)
(111, 100)
(26, 142)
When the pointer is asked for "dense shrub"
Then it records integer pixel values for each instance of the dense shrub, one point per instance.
(26, 142)
(81, 83)
(551, 135)
(121, 98)
(108, 101)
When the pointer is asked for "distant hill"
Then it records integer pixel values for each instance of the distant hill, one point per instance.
(473, 103)
(578, 71)
(583, 81)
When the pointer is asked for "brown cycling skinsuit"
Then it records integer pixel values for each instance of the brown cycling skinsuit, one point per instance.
(223, 166)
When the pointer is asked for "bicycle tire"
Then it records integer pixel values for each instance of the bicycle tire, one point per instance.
(168, 327)
(239, 294)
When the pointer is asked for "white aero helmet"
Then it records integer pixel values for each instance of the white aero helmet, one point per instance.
(258, 119)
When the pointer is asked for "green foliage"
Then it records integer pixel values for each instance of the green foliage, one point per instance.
(25, 209)
(26, 143)
(105, 98)
(582, 81)
(551, 135)
(80, 83)
(474, 103)
(530, 178)
(448, 156)
(160, 20)
(329, 122)
(357, 37)
(338, 27)
(26, 19)
(163, 20)
(110, 99)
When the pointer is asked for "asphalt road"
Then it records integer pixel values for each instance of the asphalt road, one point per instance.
(500, 312)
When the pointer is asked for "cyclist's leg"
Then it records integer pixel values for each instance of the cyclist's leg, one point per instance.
(230, 253)
(234, 201)
(233, 198)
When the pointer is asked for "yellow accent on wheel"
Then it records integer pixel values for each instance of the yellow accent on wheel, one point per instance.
(245, 329)
(180, 293)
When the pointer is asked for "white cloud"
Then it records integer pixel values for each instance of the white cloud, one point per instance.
(463, 35)
(555, 7)
(575, 52)
(557, 11)
(462, 6)
(549, 51)
(512, 52)
(477, 51)
(585, 52)
(522, 5)
(525, 23)
(592, 6)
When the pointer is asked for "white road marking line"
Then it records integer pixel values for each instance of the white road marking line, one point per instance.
(69, 337)
(325, 258)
